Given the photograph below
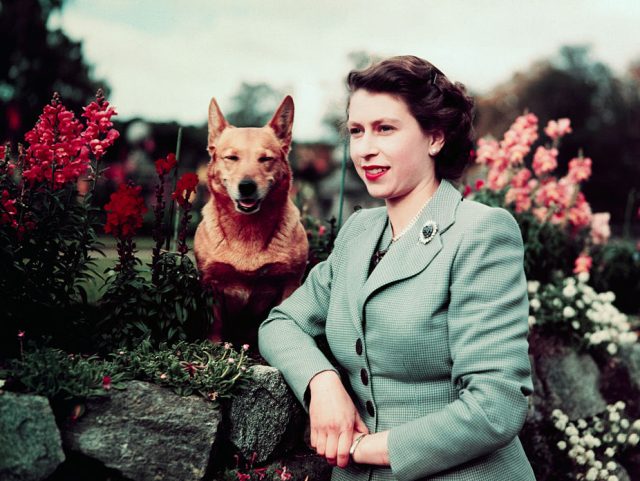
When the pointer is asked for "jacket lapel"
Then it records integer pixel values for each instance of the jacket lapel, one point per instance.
(360, 251)
(408, 256)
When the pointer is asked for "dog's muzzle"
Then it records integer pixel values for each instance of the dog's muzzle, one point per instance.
(248, 201)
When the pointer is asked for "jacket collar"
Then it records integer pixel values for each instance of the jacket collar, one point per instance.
(406, 258)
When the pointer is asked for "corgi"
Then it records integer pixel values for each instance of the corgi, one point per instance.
(251, 248)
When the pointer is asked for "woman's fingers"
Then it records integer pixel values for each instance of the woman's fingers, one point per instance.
(344, 443)
(321, 442)
(360, 426)
(331, 448)
(313, 436)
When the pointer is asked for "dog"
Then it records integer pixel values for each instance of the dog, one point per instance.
(251, 248)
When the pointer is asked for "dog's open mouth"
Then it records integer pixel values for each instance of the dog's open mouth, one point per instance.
(248, 206)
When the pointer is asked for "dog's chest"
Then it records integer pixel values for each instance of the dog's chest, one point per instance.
(227, 274)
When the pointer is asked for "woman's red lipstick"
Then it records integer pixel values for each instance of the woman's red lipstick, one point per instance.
(374, 172)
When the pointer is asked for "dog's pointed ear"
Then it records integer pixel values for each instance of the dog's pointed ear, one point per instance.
(282, 122)
(217, 123)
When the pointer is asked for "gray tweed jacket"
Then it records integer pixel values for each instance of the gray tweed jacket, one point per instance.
(432, 345)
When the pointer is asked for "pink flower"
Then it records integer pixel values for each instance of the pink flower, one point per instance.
(545, 161)
(106, 383)
(467, 190)
(580, 213)
(600, 230)
(556, 129)
(521, 196)
(579, 169)
(498, 178)
(245, 347)
(521, 178)
(20, 334)
(582, 264)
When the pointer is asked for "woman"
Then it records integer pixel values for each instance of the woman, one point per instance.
(423, 302)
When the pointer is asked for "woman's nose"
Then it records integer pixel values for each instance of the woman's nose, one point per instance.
(364, 146)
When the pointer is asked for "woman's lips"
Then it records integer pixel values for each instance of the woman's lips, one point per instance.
(373, 173)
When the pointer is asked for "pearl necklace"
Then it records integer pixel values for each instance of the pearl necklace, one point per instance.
(412, 222)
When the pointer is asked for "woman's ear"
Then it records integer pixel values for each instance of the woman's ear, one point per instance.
(437, 142)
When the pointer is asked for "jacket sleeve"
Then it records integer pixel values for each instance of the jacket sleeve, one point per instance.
(488, 328)
(286, 337)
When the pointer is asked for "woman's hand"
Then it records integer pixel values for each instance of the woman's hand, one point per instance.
(333, 417)
(372, 449)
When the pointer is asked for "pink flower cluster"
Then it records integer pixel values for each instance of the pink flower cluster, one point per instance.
(60, 145)
(558, 201)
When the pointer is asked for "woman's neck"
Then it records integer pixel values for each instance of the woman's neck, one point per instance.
(402, 211)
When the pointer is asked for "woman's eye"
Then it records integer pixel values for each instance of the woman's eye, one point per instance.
(265, 158)
(233, 158)
(354, 131)
(385, 128)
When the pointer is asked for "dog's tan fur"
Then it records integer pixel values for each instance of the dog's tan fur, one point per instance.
(251, 260)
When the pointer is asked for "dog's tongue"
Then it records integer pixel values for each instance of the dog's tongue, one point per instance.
(247, 204)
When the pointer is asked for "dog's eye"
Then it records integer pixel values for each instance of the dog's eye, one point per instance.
(265, 158)
(233, 158)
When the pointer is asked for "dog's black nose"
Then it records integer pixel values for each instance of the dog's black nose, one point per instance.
(247, 187)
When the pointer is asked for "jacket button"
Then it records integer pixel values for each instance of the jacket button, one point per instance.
(370, 409)
(359, 347)
(364, 376)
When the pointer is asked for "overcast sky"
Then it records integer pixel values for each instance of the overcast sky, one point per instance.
(165, 59)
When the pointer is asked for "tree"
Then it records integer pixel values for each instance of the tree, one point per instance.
(35, 62)
(604, 112)
(254, 105)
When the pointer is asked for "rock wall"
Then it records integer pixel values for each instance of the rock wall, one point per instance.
(146, 432)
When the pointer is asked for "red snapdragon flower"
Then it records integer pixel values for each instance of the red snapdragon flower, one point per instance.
(99, 134)
(184, 188)
(164, 166)
(8, 211)
(125, 211)
(106, 382)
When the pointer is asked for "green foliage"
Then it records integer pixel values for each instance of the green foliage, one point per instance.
(175, 308)
(57, 375)
(43, 265)
(321, 236)
(616, 267)
(213, 371)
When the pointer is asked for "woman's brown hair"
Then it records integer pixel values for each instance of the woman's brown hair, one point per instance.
(435, 102)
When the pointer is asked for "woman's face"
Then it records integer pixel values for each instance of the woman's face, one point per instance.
(388, 148)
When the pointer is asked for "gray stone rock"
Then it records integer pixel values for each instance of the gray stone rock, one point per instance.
(30, 446)
(570, 380)
(147, 432)
(265, 418)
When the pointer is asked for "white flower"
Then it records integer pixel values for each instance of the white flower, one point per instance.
(614, 416)
(556, 413)
(620, 405)
(533, 286)
(636, 424)
(633, 439)
(556, 302)
(568, 312)
(611, 466)
(592, 474)
(580, 304)
(609, 452)
(562, 445)
(621, 438)
(612, 348)
(571, 431)
(590, 455)
(535, 304)
(583, 277)
(604, 473)
(613, 477)
(575, 325)
(582, 423)
(624, 423)
(532, 321)
(597, 465)
(581, 460)
(569, 291)
(574, 439)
